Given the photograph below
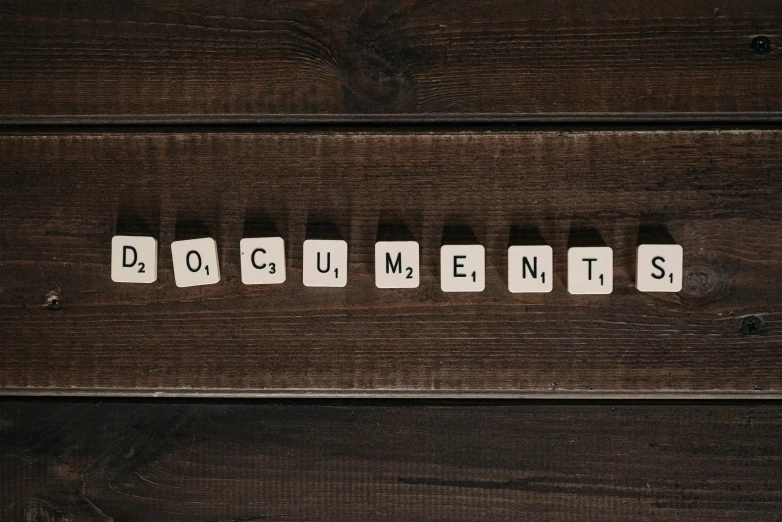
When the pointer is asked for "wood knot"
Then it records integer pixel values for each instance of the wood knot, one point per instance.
(700, 281)
(39, 513)
(373, 82)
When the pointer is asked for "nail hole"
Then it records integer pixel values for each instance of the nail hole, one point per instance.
(53, 301)
(761, 44)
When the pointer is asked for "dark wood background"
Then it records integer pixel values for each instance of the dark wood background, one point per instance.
(717, 192)
(179, 118)
(370, 460)
(460, 60)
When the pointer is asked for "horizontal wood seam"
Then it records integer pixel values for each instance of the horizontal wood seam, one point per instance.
(716, 118)
(205, 393)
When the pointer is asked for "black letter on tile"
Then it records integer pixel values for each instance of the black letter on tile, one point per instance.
(590, 266)
(252, 258)
(328, 263)
(393, 265)
(187, 260)
(533, 269)
(125, 256)
(456, 265)
(661, 269)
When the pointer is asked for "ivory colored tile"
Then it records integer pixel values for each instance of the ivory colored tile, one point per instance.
(530, 269)
(325, 262)
(262, 260)
(133, 259)
(462, 268)
(659, 268)
(195, 262)
(590, 270)
(396, 264)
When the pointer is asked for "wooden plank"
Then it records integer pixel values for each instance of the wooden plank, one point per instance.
(216, 60)
(65, 195)
(389, 461)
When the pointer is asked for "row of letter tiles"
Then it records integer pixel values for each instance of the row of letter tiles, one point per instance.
(462, 267)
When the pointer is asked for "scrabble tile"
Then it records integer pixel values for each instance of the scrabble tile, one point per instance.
(530, 268)
(590, 270)
(195, 262)
(659, 268)
(325, 262)
(396, 264)
(262, 260)
(133, 259)
(462, 268)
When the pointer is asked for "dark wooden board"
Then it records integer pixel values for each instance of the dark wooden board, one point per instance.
(212, 60)
(390, 461)
(65, 195)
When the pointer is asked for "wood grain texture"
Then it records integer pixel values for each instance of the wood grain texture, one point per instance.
(390, 461)
(65, 195)
(311, 60)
